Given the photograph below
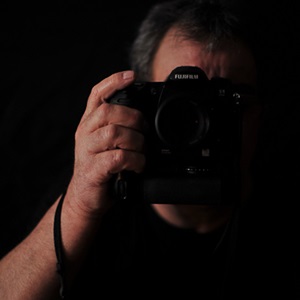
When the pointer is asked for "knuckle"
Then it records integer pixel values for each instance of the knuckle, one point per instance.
(112, 131)
(95, 91)
(104, 108)
(136, 114)
(118, 157)
(137, 118)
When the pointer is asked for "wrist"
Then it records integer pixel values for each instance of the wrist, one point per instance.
(87, 203)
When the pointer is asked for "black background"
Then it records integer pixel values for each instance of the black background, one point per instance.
(51, 56)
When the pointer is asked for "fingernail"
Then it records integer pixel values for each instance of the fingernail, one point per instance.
(128, 75)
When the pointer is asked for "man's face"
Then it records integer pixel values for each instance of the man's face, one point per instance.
(232, 60)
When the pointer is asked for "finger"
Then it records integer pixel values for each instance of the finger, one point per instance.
(116, 161)
(106, 88)
(115, 137)
(108, 114)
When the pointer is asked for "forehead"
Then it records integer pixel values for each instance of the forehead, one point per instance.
(232, 59)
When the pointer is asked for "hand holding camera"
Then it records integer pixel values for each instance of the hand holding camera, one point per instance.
(194, 136)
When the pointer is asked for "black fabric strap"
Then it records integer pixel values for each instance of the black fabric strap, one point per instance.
(60, 265)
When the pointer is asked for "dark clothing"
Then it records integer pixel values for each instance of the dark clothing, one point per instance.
(139, 255)
(145, 254)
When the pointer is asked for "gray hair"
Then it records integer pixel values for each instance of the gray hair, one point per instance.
(208, 21)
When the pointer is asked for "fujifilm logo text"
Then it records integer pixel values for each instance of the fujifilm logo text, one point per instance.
(186, 76)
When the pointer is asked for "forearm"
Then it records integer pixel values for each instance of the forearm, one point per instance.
(29, 270)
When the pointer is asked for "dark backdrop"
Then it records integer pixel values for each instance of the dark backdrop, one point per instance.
(52, 56)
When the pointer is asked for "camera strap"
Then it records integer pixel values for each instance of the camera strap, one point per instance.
(60, 265)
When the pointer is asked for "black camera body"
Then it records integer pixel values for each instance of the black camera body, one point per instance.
(193, 141)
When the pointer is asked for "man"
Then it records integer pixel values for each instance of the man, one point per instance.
(124, 248)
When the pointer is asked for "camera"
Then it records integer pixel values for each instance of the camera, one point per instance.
(193, 138)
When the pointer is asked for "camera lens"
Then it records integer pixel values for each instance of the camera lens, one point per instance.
(181, 122)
